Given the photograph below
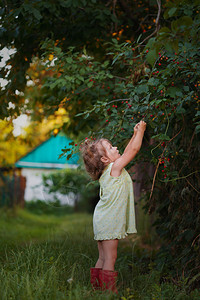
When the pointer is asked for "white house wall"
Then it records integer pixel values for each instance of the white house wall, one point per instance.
(35, 189)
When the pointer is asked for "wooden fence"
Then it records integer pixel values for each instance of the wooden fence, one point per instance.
(12, 188)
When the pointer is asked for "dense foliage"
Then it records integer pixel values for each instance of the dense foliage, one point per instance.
(25, 25)
(111, 84)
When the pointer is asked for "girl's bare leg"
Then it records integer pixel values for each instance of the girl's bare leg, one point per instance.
(109, 253)
(100, 261)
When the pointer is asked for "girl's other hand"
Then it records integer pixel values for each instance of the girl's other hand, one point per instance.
(136, 128)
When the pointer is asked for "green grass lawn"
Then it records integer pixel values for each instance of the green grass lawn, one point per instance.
(49, 257)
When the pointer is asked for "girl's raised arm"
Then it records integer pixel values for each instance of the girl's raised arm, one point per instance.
(131, 150)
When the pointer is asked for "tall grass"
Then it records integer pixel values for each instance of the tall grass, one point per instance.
(48, 257)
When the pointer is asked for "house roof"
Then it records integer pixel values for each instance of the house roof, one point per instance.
(46, 155)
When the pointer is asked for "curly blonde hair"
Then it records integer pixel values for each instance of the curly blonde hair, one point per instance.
(92, 151)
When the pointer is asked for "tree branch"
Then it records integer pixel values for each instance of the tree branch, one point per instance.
(154, 177)
(157, 23)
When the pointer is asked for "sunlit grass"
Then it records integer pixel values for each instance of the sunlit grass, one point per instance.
(48, 257)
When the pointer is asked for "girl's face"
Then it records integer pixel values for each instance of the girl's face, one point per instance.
(111, 152)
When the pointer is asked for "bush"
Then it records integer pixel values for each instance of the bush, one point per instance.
(40, 207)
(76, 184)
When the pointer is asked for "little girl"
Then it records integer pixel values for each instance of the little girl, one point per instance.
(114, 214)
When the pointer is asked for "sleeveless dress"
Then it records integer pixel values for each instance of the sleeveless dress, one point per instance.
(114, 214)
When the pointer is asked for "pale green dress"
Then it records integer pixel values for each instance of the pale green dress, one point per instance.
(114, 214)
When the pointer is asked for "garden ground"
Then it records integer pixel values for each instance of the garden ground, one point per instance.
(49, 257)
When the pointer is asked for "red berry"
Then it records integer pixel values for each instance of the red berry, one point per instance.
(116, 106)
(147, 51)
(133, 49)
(157, 72)
(106, 120)
(113, 105)
(75, 144)
(86, 138)
(159, 64)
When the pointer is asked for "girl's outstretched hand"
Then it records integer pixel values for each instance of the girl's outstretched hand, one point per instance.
(142, 126)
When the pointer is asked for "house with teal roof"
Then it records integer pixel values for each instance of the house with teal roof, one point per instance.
(44, 159)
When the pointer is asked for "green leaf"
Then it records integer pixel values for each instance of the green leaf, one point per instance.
(161, 136)
(174, 44)
(142, 89)
(116, 58)
(86, 116)
(153, 81)
(185, 21)
(69, 60)
(186, 88)
(36, 13)
(197, 129)
(82, 71)
(164, 137)
(172, 92)
(151, 57)
(90, 84)
(66, 150)
(164, 30)
(69, 156)
(172, 11)
(80, 114)
(150, 43)
(174, 26)
(61, 155)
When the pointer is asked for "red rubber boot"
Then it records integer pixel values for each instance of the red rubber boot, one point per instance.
(108, 280)
(94, 278)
